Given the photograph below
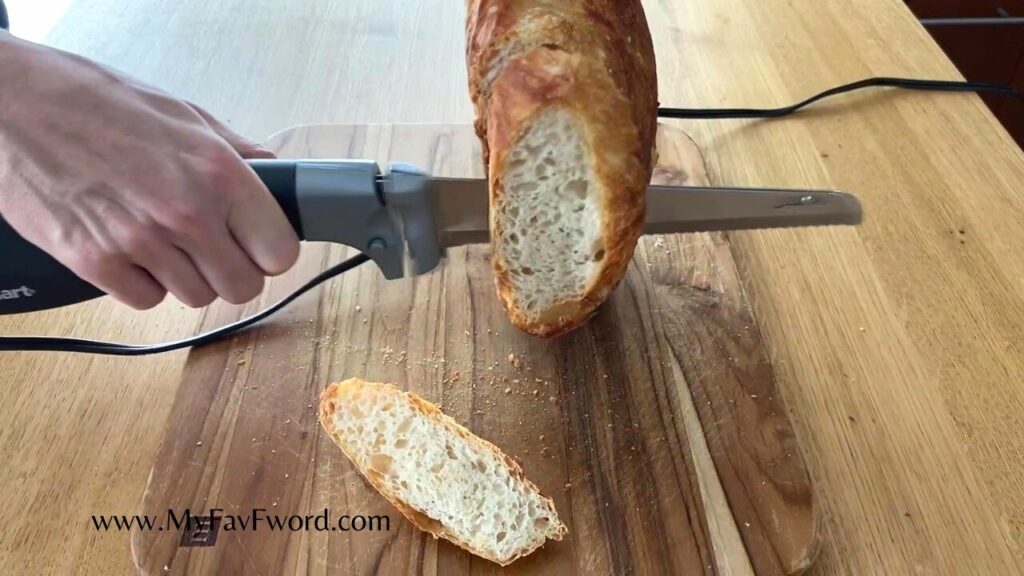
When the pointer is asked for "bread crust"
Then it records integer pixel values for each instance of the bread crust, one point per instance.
(595, 60)
(329, 400)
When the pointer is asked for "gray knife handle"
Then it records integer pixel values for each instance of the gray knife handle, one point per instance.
(389, 217)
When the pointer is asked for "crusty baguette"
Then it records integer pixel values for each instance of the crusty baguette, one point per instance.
(444, 479)
(565, 93)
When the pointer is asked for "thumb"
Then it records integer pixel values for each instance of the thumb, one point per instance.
(245, 147)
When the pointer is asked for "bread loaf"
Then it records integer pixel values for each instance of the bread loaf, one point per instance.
(565, 93)
(440, 476)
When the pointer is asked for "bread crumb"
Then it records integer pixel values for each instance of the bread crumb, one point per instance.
(535, 392)
(508, 390)
(359, 308)
(200, 443)
(242, 361)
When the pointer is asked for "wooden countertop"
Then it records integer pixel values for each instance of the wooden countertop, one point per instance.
(898, 348)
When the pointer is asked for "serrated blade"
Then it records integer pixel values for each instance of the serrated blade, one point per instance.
(677, 209)
(461, 209)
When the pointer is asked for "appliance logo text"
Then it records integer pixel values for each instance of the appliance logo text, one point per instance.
(14, 294)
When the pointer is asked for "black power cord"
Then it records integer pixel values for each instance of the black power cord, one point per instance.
(884, 82)
(53, 344)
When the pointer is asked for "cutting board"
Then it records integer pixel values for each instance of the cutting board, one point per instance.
(657, 428)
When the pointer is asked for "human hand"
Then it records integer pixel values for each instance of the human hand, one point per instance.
(135, 191)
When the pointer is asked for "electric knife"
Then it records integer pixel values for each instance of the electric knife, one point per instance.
(405, 220)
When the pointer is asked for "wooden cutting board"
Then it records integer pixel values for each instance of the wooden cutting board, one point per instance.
(657, 428)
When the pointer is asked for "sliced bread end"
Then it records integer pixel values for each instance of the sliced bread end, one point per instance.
(440, 476)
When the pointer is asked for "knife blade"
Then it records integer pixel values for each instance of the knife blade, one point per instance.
(462, 209)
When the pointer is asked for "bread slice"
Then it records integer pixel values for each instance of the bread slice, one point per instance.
(444, 479)
(566, 104)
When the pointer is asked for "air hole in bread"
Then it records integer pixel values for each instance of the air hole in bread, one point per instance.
(578, 187)
(381, 463)
(599, 255)
(404, 426)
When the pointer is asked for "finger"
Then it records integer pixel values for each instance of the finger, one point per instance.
(226, 268)
(117, 277)
(150, 247)
(93, 255)
(175, 271)
(134, 287)
(262, 230)
(245, 147)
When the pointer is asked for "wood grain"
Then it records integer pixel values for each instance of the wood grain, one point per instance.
(599, 419)
(911, 428)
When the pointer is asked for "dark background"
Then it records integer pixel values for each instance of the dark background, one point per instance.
(984, 53)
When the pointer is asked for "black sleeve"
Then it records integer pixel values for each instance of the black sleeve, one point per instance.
(3, 16)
